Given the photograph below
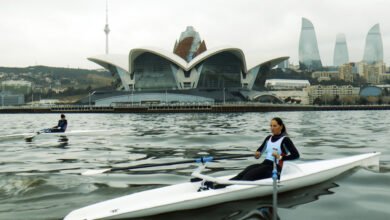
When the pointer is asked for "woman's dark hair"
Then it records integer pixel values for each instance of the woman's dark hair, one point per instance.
(280, 123)
(62, 116)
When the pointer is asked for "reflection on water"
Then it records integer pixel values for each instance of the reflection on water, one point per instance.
(261, 213)
(63, 141)
(40, 179)
(258, 208)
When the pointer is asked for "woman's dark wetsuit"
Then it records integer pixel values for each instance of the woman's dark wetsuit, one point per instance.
(61, 127)
(264, 170)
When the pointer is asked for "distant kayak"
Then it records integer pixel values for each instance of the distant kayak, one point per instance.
(32, 135)
(190, 195)
(73, 132)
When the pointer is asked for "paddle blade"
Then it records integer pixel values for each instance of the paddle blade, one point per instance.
(94, 172)
(29, 138)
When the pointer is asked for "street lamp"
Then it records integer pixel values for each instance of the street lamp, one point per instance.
(132, 96)
(224, 95)
(90, 94)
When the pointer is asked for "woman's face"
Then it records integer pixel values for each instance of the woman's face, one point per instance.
(276, 129)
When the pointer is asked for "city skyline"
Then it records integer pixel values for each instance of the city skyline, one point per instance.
(65, 33)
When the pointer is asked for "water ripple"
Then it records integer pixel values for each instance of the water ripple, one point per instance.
(43, 176)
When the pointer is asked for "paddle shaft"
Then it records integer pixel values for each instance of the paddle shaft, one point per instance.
(200, 160)
(275, 192)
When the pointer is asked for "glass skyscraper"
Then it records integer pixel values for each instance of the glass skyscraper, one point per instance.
(340, 55)
(373, 51)
(309, 56)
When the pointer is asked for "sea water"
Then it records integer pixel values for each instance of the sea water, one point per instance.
(41, 179)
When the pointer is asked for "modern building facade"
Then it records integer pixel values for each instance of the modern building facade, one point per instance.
(286, 84)
(16, 86)
(9, 99)
(191, 70)
(309, 55)
(329, 92)
(346, 72)
(325, 75)
(373, 50)
(340, 55)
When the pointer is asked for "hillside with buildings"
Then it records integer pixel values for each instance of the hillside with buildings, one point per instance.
(43, 82)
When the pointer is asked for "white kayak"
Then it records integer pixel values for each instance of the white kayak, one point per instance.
(66, 133)
(74, 133)
(9, 137)
(186, 196)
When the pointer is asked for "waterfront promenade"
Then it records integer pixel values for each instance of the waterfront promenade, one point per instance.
(186, 108)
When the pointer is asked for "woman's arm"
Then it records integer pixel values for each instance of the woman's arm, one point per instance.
(292, 151)
(262, 146)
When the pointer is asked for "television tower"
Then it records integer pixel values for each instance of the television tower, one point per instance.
(106, 28)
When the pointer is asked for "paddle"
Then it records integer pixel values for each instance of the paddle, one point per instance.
(199, 160)
(275, 191)
(29, 138)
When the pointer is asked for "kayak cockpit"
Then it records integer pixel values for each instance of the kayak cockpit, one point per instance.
(290, 170)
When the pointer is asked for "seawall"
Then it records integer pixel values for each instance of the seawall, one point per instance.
(176, 108)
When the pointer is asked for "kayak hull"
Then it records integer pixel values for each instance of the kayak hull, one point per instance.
(185, 196)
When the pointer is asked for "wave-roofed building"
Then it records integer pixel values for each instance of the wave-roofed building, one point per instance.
(192, 70)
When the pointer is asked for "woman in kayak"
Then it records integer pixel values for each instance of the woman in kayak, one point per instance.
(277, 147)
(61, 126)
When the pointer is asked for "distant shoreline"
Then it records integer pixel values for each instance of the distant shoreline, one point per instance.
(188, 108)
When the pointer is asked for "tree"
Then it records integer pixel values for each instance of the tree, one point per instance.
(363, 100)
(336, 100)
(317, 101)
(372, 100)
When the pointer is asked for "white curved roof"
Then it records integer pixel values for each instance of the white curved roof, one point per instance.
(117, 60)
(271, 63)
(134, 53)
(211, 52)
(125, 62)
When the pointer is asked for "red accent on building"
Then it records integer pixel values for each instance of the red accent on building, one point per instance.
(183, 47)
(202, 48)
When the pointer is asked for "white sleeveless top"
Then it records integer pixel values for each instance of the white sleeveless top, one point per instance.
(273, 146)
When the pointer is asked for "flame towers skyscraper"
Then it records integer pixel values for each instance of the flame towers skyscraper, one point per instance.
(309, 56)
(373, 51)
(340, 55)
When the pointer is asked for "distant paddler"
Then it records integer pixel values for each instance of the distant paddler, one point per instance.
(61, 126)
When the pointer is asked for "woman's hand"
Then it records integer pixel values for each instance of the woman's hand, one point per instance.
(276, 155)
(257, 154)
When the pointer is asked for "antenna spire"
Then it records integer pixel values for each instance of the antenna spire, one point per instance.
(106, 28)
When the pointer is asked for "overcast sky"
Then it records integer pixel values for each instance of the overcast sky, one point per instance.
(64, 33)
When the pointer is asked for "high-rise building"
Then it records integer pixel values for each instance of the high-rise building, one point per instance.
(340, 55)
(309, 55)
(373, 51)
